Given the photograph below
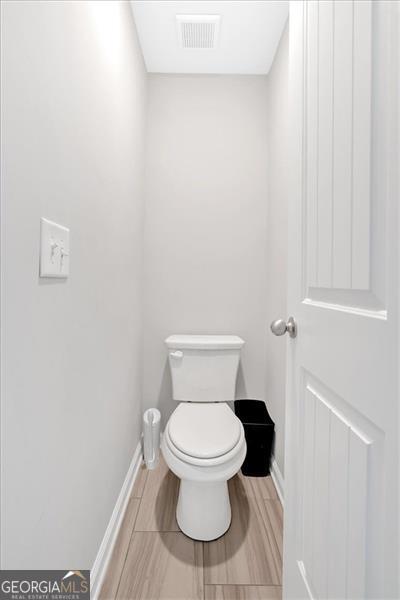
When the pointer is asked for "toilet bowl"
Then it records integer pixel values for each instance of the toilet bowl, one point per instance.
(204, 445)
(203, 441)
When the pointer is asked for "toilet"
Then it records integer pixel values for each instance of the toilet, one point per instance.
(203, 441)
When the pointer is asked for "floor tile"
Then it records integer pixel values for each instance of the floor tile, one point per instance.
(259, 487)
(156, 561)
(162, 566)
(111, 581)
(140, 482)
(242, 592)
(159, 499)
(275, 516)
(247, 554)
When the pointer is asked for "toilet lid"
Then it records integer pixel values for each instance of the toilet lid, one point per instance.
(204, 430)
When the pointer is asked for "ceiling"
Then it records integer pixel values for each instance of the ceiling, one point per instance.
(248, 35)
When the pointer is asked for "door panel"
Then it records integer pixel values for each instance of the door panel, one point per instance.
(338, 141)
(342, 159)
(341, 466)
(324, 116)
(339, 450)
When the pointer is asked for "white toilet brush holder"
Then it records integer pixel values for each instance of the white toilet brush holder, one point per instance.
(151, 437)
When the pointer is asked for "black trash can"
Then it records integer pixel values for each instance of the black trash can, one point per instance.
(259, 430)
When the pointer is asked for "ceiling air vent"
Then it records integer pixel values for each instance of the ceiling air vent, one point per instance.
(198, 31)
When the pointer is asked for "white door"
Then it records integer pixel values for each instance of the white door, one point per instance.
(341, 471)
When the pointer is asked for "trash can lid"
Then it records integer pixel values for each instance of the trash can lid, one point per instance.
(253, 412)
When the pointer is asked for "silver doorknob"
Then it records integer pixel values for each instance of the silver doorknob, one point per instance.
(280, 327)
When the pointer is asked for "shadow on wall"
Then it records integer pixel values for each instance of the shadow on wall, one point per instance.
(165, 403)
(241, 391)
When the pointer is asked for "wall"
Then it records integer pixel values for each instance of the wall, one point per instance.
(277, 239)
(205, 234)
(73, 116)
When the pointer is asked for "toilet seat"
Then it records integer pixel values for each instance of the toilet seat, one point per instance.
(204, 434)
(204, 430)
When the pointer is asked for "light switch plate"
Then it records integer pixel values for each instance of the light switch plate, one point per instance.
(54, 249)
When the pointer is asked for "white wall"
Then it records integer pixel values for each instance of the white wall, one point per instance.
(74, 94)
(277, 239)
(205, 235)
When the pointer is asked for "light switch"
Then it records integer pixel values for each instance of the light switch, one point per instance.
(54, 249)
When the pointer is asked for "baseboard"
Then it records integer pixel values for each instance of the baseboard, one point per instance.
(106, 547)
(278, 480)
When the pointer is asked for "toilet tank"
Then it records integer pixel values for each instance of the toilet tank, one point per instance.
(204, 367)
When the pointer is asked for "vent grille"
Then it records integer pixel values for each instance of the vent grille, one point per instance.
(198, 35)
(198, 31)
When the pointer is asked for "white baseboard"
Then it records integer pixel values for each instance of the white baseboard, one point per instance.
(278, 480)
(106, 547)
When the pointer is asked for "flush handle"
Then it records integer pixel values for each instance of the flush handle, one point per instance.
(280, 327)
(176, 354)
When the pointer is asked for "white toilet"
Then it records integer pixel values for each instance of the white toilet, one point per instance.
(203, 442)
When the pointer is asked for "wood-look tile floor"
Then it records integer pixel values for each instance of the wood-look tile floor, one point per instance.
(153, 560)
